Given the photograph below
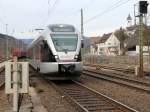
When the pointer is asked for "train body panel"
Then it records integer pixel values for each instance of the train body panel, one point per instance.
(57, 50)
(54, 67)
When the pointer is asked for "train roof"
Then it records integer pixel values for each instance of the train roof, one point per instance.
(64, 25)
(61, 28)
(53, 28)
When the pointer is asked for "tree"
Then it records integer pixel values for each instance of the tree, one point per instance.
(122, 36)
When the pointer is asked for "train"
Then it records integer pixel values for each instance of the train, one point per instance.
(19, 53)
(56, 52)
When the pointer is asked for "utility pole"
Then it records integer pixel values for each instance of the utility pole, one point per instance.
(142, 10)
(6, 42)
(141, 44)
(82, 30)
(134, 15)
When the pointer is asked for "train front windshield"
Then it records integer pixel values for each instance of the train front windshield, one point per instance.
(65, 42)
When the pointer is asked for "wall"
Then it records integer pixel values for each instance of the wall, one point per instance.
(145, 50)
(110, 47)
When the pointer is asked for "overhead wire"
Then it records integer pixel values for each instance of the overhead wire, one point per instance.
(89, 4)
(53, 7)
(85, 7)
(1, 20)
(111, 8)
(49, 6)
(42, 10)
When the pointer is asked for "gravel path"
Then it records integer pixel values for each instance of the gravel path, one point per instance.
(6, 101)
(133, 98)
(50, 98)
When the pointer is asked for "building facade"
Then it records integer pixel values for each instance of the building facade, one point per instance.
(108, 44)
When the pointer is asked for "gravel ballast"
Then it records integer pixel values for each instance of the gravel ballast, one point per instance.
(50, 98)
(133, 98)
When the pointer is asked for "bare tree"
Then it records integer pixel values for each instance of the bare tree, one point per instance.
(122, 36)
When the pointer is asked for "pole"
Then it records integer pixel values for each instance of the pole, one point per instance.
(141, 45)
(15, 86)
(145, 17)
(6, 43)
(82, 22)
(82, 39)
(134, 15)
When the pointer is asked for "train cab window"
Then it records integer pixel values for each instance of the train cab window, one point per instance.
(65, 42)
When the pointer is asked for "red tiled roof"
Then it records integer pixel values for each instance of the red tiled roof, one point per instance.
(98, 39)
(104, 38)
(94, 40)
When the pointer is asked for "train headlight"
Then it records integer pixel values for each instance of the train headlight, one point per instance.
(56, 56)
(76, 56)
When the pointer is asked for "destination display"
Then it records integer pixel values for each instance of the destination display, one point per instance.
(63, 29)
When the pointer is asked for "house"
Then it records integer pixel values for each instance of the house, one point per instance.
(93, 45)
(108, 44)
(132, 46)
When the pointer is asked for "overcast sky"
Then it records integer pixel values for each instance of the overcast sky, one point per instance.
(23, 16)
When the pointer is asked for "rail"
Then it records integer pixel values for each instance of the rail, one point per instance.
(130, 82)
(88, 99)
(2, 69)
(124, 69)
(2, 77)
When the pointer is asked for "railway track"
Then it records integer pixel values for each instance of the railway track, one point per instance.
(2, 77)
(2, 60)
(2, 73)
(126, 69)
(89, 100)
(126, 81)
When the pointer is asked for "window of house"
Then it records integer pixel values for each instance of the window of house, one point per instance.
(101, 49)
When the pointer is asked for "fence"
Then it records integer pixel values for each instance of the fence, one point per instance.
(96, 59)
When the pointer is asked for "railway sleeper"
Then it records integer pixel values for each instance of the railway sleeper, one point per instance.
(88, 100)
(103, 109)
(94, 104)
(74, 95)
(79, 97)
(78, 93)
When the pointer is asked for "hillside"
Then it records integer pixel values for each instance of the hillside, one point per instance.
(27, 41)
(11, 42)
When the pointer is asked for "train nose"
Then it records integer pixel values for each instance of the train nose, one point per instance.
(69, 68)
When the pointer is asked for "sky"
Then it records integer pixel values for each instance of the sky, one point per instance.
(20, 18)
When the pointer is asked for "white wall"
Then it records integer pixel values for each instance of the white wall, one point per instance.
(93, 51)
(112, 41)
(131, 53)
(145, 49)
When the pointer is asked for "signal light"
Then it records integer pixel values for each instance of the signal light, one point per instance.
(143, 7)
